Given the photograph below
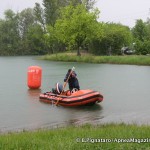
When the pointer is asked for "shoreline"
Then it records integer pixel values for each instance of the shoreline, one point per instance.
(87, 58)
(105, 136)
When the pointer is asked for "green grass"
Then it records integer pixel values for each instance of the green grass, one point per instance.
(71, 57)
(89, 136)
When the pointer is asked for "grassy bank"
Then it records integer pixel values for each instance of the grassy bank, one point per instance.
(102, 137)
(71, 57)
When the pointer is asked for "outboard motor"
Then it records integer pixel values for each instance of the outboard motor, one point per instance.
(58, 89)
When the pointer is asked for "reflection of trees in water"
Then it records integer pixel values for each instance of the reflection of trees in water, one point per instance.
(84, 114)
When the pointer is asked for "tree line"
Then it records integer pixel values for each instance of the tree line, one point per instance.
(67, 25)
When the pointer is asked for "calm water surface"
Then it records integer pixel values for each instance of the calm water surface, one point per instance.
(125, 88)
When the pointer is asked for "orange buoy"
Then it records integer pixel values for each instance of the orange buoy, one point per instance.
(34, 77)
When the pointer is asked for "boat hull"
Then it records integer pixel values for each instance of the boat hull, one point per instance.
(78, 98)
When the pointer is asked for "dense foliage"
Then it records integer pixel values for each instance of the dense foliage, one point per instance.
(141, 33)
(58, 26)
(114, 37)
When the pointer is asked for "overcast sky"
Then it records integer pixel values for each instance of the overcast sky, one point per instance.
(118, 11)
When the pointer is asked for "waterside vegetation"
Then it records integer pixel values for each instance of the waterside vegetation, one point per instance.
(108, 136)
(88, 58)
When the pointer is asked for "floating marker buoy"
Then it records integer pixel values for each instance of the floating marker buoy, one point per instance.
(34, 77)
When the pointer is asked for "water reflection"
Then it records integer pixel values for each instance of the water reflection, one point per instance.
(95, 107)
(84, 114)
(33, 95)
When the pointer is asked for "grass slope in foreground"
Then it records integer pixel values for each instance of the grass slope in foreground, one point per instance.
(87, 137)
(71, 57)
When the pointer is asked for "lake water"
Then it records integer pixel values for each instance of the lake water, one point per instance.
(125, 89)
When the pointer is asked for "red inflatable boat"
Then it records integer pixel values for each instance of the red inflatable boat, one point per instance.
(75, 98)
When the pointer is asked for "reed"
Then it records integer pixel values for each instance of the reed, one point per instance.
(107, 136)
(71, 57)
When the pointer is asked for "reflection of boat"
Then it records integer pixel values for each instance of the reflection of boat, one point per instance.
(76, 98)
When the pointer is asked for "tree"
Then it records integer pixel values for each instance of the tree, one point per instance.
(39, 16)
(52, 8)
(26, 21)
(113, 38)
(76, 26)
(88, 3)
(35, 38)
(9, 33)
(139, 31)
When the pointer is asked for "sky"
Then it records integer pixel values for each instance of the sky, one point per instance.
(125, 12)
